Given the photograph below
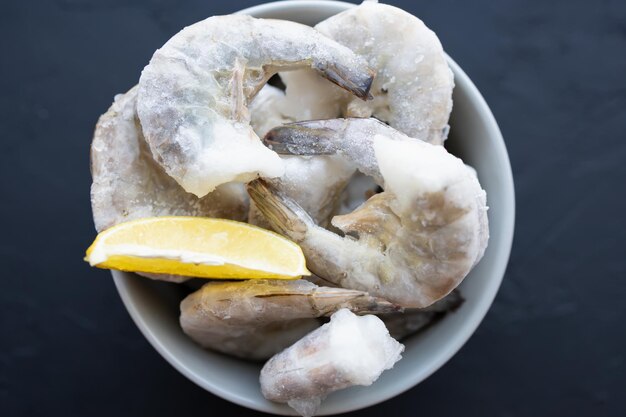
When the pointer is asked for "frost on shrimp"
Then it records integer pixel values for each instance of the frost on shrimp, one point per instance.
(413, 86)
(254, 319)
(128, 184)
(314, 182)
(194, 92)
(269, 109)
(348, 351)
(411, 244)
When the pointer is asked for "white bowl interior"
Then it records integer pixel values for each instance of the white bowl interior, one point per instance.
(475, 137)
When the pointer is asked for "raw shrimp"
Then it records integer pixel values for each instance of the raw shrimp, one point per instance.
(314, 182)
(128, 184)
(412, 93)
(348, 351)
(193, 94)
(411, 244)
(413, 86)
(412, 320)
(254, 319)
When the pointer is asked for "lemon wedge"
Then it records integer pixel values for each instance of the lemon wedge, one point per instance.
(197, 247)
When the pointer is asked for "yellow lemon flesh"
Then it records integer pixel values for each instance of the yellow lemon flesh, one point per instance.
(197, 247)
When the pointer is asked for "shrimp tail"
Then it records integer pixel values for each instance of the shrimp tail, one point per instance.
(330, 299)
(323, 137)
(284, 214)
(356, 82)
(314, 137)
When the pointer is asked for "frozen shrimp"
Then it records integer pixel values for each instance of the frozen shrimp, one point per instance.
(414, 242)
(128, 184)
(413, 86)
(347, 351)
(193, 95)
(255, 319)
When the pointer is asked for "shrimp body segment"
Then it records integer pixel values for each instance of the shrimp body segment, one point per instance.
(411, 244)
(193, 95)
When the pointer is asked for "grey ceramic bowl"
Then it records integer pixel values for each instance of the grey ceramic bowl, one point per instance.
(475, 137)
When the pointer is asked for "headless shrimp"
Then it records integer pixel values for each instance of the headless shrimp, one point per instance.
(193, 95)
(128, 184)
(254, 319)
(411, 244)
(413, 86)
(348, 351)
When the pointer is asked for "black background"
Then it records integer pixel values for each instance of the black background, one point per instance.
(554, 342)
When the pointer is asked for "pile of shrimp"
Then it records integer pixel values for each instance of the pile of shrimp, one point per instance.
(347, 161)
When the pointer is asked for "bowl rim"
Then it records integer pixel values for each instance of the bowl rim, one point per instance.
(454, 345)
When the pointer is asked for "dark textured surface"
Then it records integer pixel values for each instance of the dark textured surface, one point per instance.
(554, 342)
